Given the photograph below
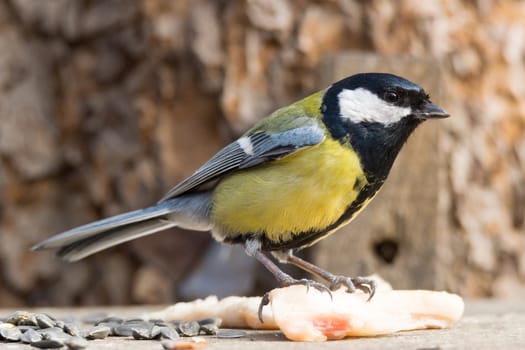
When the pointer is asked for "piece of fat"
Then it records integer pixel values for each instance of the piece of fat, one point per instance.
(235, 312)
(309, 315)
(314, 316)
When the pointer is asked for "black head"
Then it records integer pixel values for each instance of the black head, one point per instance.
(376, 112)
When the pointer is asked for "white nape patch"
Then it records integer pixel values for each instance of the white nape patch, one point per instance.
(246, 145)
(361, 105)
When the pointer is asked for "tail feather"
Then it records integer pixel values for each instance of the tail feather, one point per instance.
(104, 225)
(92, 244)
(191, 211)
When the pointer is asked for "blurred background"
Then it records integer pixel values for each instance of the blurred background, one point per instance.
(104, 105)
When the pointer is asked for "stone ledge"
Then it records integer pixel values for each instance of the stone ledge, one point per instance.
(487, 324)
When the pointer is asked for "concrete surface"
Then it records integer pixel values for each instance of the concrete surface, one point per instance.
(487, 324)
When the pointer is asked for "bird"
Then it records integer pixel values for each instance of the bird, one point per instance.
(290, 181)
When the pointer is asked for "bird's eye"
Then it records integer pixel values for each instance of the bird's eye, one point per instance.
(391, 96)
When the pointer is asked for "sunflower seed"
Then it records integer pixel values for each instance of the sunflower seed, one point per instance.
(71, 329)
(126, 329)
(98, 332)
(76, 343)
(111, 319)
(10, 334)
(169, 333)
(30, 336)
(22, 318)
(122, 330)
(189, 329)
(48, 344)
(209, 329)
(134, 320)
(44, 321)
(139, 323)
(211, 320)
(230, 333)
(141, 333)
(54, 333)
(155, 332)
(6, 325)
(112, 326)
(155, 320)
(161, 324)
(24, 329)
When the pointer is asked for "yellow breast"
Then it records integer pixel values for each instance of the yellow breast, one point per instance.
(308, 190)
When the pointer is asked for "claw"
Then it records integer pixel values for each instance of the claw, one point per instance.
(309, 283)
(366, 285)
(339, 281)
(264, 301)
(373, 286)
(316, 285)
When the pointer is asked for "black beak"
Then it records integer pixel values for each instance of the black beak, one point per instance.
(430, 111)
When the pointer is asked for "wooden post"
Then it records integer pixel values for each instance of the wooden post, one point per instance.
(398, 234)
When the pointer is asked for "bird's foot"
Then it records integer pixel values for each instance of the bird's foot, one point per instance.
(368, 286)
(289, 281)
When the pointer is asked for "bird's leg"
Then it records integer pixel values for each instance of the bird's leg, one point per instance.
(365, 284)
(253, 248)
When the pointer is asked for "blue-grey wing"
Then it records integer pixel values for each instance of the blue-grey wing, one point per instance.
(248, 151)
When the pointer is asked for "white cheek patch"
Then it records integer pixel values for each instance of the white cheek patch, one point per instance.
(246, 145)
(361, 105)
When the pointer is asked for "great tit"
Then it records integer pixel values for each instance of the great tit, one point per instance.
(291, 180)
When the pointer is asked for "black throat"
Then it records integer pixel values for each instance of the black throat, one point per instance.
(376, 144)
